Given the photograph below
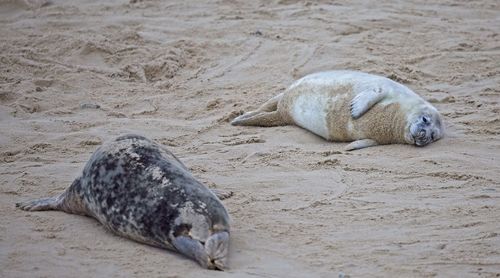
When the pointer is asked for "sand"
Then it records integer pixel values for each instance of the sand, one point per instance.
(76, 73)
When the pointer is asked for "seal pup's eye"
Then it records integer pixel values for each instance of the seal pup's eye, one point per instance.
(424, 119)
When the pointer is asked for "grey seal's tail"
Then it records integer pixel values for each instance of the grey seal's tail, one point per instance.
(265, 115)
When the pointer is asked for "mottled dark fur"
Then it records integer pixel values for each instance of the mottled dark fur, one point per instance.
(137, 189)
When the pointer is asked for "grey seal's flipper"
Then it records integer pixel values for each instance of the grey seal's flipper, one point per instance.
(192, 249)
(360, 144)
(211, 255)
(69, 201)
(266, 115)
(221, 193)
(50, 203)
(364, 100)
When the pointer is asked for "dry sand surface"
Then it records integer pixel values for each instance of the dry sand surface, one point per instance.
(76, 73)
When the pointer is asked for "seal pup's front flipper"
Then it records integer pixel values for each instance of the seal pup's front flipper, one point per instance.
(360, 144)
(364, 100)
(211, 254)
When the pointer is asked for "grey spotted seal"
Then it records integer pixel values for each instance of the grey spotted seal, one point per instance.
(141, 191)
(351, 106)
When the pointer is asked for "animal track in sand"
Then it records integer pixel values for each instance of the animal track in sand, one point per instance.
(241, 141)
(161, 64)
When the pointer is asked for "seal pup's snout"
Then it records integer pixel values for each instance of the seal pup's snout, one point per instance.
(422, 137)
(422, 133)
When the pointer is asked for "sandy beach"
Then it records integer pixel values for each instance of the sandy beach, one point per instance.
(74, 74)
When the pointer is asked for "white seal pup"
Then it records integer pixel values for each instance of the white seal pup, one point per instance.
(351, 106)
(140, 190)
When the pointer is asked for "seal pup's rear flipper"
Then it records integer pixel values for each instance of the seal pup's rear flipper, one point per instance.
(360, 144)
(271, 104)
(260, 119)
(266, 115)
(364, 100)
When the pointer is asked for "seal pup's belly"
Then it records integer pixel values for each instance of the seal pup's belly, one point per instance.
(323, 110)
(310, 112)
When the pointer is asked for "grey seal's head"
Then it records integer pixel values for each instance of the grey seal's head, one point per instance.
(201, 232)
(424, 125)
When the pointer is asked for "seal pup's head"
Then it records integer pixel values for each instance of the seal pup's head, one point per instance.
(424, 126)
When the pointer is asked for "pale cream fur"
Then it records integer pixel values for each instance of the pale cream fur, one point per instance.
(321, 103)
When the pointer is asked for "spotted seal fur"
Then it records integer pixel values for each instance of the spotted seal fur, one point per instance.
(140, 190)
(351, 106)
